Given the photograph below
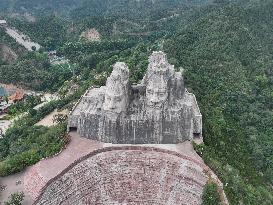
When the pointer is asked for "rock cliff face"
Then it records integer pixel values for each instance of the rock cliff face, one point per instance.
(158, 110)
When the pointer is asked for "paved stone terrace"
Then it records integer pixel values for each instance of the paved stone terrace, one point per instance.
(129, 175)
(37, 176)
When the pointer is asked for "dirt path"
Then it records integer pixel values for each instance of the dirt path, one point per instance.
(4, 125)
(12, 184)
(48, 120)
(46, 98)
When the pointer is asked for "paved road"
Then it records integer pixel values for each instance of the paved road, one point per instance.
(22, 39)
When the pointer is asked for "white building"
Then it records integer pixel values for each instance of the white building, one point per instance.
(2, 22)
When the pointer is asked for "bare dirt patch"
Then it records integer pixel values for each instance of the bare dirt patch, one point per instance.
(91, 35)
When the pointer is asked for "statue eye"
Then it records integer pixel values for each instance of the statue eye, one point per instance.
(118, 98)
(161, 93)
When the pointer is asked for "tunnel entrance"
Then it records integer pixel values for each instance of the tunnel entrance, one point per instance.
(72, 129)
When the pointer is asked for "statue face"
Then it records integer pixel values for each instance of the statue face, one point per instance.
(114, 102)
(156, 94)
(116, 92)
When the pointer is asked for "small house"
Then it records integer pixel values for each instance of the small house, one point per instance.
(17, 96)
(3, 22)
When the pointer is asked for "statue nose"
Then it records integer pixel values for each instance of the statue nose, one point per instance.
(154, 98)
(111, 104)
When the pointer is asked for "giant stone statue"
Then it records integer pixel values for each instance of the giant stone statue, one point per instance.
(158, 110)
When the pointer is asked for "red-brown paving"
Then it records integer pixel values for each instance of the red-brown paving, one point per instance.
(128, 175)
(38, 175)
(184, 166)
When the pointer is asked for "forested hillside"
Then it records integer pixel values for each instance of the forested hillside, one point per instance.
(224, 48)
(34, 71)
(227, 56)
(83, 8)
(38, 7)
(55, 27)
(134, 8)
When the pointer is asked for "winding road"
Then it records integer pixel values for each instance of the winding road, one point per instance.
(22, 39)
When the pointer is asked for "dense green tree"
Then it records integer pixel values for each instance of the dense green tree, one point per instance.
(34, 71)
(227, 62)
(210, 195)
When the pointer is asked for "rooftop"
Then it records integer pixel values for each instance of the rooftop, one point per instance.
(3, 21)
(18, 95)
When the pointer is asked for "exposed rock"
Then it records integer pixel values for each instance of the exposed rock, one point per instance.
(91, 35)
(158, 110)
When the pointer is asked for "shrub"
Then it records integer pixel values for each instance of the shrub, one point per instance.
(15, 199)
(210, 195)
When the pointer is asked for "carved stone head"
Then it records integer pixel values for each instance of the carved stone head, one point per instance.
(157, 80)
(156, 91)
(117, 89)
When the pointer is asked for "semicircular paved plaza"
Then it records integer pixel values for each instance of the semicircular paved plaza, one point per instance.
(128, 175)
